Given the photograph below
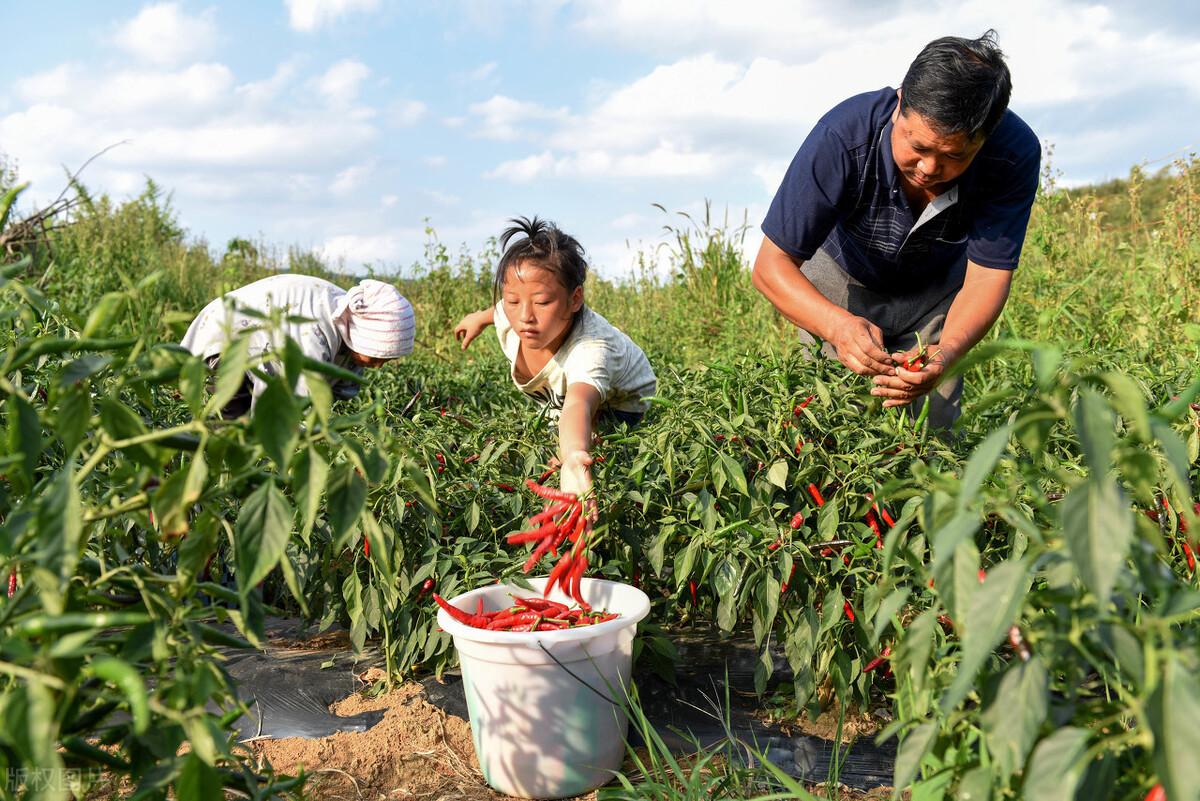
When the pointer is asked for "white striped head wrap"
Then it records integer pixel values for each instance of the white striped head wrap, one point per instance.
(379, 320)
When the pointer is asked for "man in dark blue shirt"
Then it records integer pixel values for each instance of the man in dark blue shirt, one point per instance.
(902, 218)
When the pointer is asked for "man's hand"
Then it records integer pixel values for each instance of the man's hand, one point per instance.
(859, 344)
(906, 386)
(472, 326)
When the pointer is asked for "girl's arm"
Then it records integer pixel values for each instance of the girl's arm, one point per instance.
(473, 325)
(575, 437)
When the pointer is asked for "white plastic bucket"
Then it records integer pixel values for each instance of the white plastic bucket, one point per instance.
(539, 731)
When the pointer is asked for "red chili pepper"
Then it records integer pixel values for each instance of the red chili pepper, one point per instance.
(692, 590)
(797, 520)
(558, 574)
(718, 437)
(509, 621)
(366, 547)
(533, 535)
(784, 588)
(774, 546)
(542, 478)
(549, 493)
(637, 579)
(1157, 793)
(543, 605)
(542, 548)
(849, 612)
(1191, 557)
(441, 460)
(552, 511)
(474, 457)
(816, 495)
(799, 446)
(874, 524)
(796, 409)
(982, 575)
(479, 607)
(12, 583)
(426, 586)
(453, 611)
(877, 661)
(505, 487)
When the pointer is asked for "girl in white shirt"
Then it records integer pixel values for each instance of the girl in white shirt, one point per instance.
(562, 352)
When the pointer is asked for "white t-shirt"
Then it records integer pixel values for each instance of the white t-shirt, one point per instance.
(595, 353)
(307, 296)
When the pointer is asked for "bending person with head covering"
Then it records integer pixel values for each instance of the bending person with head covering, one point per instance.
(368, 325)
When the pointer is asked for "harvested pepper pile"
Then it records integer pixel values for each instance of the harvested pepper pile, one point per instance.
(563, 520)
(526, 614)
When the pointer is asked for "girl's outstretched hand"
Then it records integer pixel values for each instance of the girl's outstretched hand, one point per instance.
(472, 326)
(576, 477)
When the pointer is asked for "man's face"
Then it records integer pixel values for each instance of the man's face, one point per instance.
(927, 160)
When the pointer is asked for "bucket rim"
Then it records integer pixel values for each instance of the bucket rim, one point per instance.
(583, 633)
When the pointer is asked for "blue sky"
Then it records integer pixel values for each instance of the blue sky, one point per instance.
(344, 125)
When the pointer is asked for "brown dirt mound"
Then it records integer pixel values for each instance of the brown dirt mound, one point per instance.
(416, 751)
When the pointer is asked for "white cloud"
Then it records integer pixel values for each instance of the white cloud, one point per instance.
(308, 15)
(483, 71)
(743, 83)
(164, 33)
(435, 162)
(388, 201)
(350, 179)
(340, 83)
(507, 119)
(354, 249)
(264, 91)
(406, 113)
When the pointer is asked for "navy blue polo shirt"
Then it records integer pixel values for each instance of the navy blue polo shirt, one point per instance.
(842, 193)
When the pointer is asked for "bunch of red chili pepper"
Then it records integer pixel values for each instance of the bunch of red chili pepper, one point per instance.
(563, 521)
(526, 614)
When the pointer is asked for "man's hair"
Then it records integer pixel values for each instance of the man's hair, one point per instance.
(543, 245)
(958, 85)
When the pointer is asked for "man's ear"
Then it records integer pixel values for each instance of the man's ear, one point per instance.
(896, 112)
(577, 299)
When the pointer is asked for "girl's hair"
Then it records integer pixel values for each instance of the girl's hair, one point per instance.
(543, 245)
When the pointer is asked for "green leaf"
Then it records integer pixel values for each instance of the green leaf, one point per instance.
(193, 378)
(346, 495)
(912, 750)
(993, 610)
(24, 436)
(1098, 527)
(60, 534)
(231, 372)
(260, 534)
(1056, 766)
(1130, 402)
(734, 473)
(980, 465)
(1094, 426)
(120, 422)
(1173, 711)
(1011, 722)
(74, 417)
(976, 785)
(103, 313)
(277, 422)
(122, 676)
(828, 519)
(198, 781)
(308, 482)
(777, 474)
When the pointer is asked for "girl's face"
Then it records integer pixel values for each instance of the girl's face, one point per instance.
(538, 306)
